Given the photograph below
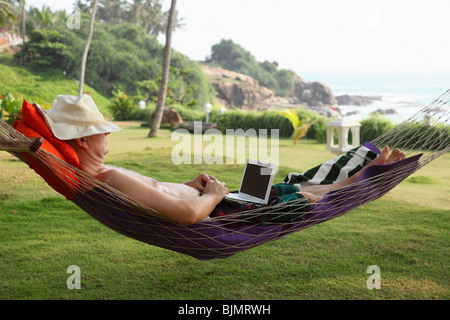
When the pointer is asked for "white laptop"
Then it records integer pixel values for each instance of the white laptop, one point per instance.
(255, 184)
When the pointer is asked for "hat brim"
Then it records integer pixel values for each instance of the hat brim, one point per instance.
(68, 131)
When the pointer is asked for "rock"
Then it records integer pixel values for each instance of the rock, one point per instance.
(352, 113)
(306, 95)
(237, 89)
(326, 111)
(195, 127)
(170, 116)
(299, 86)
(348, 100)
(384, 111)
(317, 94)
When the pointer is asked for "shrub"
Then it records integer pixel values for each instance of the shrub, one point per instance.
(426, 136)
(189, 114)
(45, 49)
(118, 55)
(373, 127)
(239, 119)
(123, 106)
(9, 107)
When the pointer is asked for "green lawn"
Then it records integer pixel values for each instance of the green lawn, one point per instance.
(42, 86)
(405, 233)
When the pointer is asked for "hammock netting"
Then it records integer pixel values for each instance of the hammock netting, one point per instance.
(423, 138)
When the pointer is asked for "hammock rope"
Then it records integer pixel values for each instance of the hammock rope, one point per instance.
(423, 138)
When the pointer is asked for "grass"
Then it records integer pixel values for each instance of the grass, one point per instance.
(42, 86)
(43, 234)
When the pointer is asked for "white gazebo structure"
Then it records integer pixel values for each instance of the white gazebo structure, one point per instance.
(342, 127)
(207, 108)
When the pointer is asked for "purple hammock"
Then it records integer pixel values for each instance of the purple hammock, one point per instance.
(222, 238)
(215, 239)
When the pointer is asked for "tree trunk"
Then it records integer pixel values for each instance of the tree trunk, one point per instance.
(86, 47)
(23, 31)
(158, 113)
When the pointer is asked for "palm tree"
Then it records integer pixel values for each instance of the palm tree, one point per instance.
(22, 2)
(165, 74)
(7, 13)
(154, 20)
(149, 15)
(300, 127)
(43, 18)
(86, 46)
(84, 7)
(111, 11)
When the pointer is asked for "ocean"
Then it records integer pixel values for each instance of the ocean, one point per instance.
(406, 93)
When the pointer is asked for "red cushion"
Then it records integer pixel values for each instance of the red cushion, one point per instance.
(60, 177)
(23, 128)
(34, 119)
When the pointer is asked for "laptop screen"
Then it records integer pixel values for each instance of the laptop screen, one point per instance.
(254, 183)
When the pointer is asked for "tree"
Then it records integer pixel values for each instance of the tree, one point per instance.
(22, 2)
(86, 47)
(83, 5)
(7, 13)
(232, 56)
(112, 11)
(42, 19)
(165, 74)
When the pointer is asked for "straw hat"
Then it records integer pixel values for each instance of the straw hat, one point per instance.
(73, 117)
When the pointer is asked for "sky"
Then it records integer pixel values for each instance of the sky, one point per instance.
(317, 35)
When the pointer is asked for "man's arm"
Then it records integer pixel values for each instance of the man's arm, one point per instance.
(183, 211)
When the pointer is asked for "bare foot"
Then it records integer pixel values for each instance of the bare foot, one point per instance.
(383, 158)
(316, 192)
(395, 156)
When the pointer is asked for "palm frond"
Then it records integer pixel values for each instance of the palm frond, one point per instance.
(292, 116)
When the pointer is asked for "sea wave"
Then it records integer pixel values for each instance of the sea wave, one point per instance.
(403, 94)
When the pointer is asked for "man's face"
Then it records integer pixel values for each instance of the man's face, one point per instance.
(98, 143)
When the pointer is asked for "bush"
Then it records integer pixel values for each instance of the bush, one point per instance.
(318, 130)
(123, 106)
(119, 55)
(45, 49)
(373, 127)
(9, 107)
(189, 114)
(425, 136)
(239, 119)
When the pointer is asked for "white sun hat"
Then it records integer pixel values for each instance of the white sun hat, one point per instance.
(73, 117)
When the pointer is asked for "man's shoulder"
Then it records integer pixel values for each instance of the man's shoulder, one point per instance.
(110, 175)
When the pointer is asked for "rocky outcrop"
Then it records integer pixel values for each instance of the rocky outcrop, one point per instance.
(236, 89)
(317, 94)
(239, 90)
(347, 100)
(384, 111)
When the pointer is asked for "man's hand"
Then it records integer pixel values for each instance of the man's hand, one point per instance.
(200, 181)
(217, 188)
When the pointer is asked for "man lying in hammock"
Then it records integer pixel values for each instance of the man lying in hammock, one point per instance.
(78, 120)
